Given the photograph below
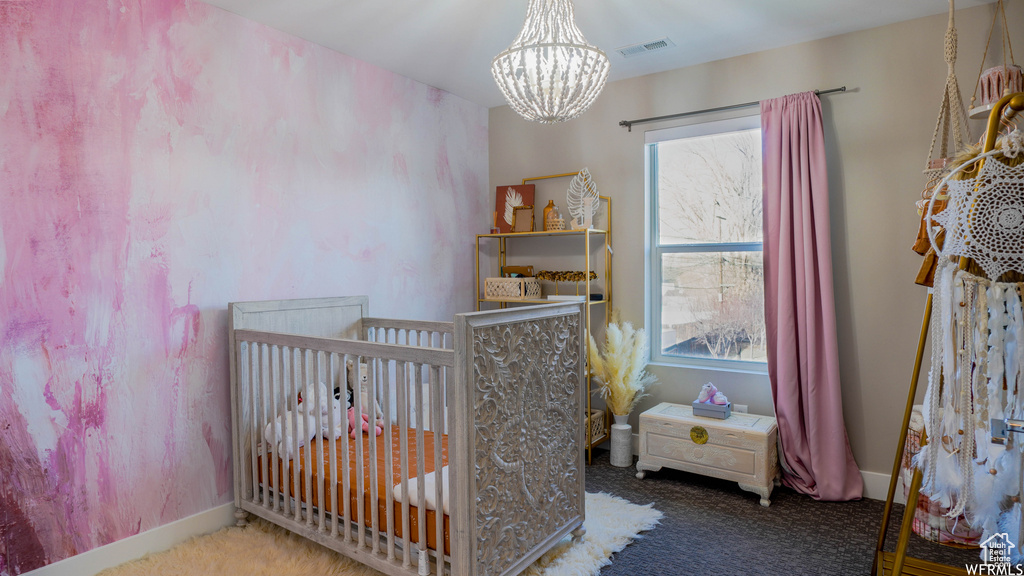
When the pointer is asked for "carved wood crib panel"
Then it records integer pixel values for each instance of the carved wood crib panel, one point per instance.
(496, 396)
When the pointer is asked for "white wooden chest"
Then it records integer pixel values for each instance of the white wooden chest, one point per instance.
(741, 448)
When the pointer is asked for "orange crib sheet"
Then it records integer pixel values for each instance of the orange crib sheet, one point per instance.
(384, 449)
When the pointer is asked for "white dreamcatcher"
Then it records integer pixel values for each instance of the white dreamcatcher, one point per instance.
(984, 219)
(977, 337)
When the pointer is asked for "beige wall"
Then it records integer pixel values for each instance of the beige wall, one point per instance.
(879, 132)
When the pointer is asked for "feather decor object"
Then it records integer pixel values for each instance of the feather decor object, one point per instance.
(581, 189)
(621, 368)
(512, 199)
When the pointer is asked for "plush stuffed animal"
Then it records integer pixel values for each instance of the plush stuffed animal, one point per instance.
(710, 394)
(280, 431)
(364, 424)
(364, 395)
(340, 391)
(327, 403)
(302, 421)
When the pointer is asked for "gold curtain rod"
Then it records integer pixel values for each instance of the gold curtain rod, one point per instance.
(629, 123)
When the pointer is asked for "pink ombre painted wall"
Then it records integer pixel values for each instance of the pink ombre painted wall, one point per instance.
(159, 159)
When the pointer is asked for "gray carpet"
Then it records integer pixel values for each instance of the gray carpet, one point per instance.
(713, 528)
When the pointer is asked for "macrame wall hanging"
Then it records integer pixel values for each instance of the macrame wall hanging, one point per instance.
(977, 336)
(951, 124)
(952, 119)
(997, 81)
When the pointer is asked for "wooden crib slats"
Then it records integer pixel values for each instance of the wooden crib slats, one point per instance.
(424, 355)
(277, 374)
(408, 325)
(435, 425)
(267, 394)
(346, 471)
(389, 462)
(403, 455)
(371, 364)
(303, 503)
(239, 426)
(254, 438)
(321, 401)
(260, 396)
(294, 357)
(279, 388)
(333, 454)
(293, 495)
(286, 442)
(275, 394)
(421, 486)
(353, 378)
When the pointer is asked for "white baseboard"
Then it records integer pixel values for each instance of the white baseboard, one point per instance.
(876, 486)
(134, 547)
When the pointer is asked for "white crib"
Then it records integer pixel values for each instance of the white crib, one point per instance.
(496, 396)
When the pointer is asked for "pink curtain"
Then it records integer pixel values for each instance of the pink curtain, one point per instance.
(803, 356)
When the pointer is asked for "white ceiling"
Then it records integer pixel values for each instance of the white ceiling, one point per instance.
(449, 44)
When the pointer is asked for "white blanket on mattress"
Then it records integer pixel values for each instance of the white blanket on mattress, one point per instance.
(430, 487)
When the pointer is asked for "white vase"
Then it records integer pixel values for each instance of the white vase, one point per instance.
(622, 442)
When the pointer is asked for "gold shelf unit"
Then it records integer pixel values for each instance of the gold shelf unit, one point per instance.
(542, 301)
(592, 238)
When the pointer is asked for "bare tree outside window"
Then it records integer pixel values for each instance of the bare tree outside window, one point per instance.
(709, 241)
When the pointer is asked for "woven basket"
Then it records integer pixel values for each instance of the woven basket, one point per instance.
(596, 423)
(511, 289)
(930, 521)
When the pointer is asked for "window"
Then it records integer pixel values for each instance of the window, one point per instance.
(706, 271)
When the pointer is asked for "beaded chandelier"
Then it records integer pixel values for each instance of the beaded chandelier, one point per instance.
(550, 73)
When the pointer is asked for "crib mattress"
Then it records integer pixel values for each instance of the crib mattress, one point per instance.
(382, 481)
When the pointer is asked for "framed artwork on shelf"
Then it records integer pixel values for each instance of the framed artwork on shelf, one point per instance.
(505, 201)
(522, 218)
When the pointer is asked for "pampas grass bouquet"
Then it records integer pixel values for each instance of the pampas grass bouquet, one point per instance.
(621, 366)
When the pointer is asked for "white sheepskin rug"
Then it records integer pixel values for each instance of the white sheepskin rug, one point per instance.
(612, 523)
(263, 549)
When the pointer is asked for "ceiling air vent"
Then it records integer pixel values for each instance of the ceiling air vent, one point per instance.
(644, 47)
